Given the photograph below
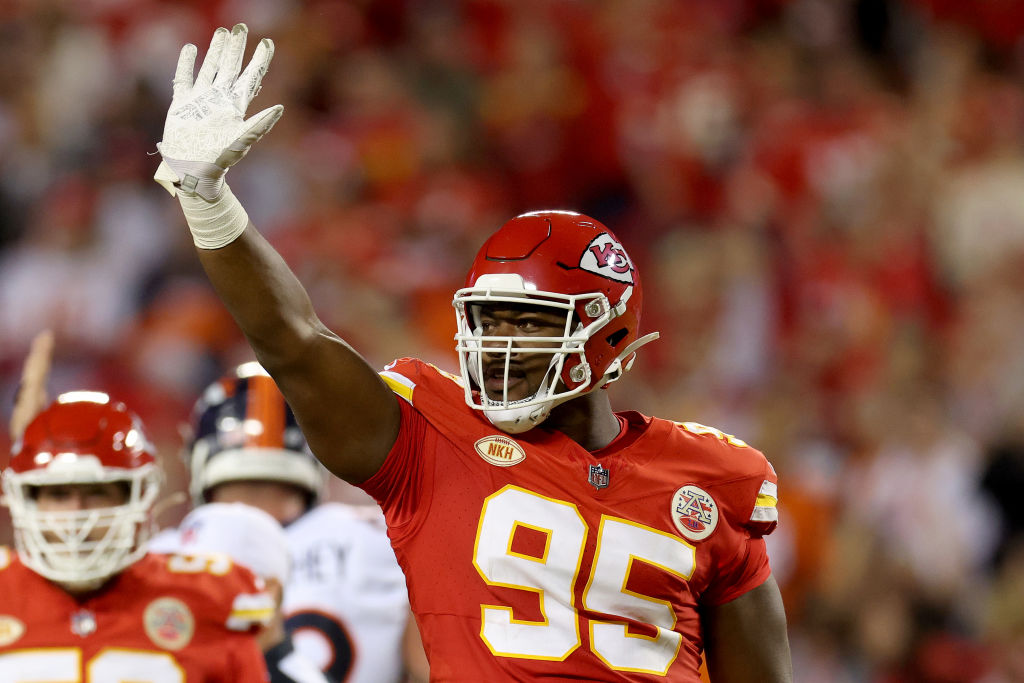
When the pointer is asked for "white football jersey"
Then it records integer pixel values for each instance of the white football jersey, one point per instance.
(346, 602)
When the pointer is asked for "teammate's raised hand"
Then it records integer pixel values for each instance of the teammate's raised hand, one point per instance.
(205, 132)
(32, 396)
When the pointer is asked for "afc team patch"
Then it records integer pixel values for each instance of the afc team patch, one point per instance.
(169, 623)
(694, 512)
(500, 450)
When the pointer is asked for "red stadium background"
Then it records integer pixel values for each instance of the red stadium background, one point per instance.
(823, 196)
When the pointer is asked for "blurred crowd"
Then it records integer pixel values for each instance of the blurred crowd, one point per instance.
(825, 199)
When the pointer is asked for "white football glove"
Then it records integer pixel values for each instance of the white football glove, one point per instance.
(205, 134)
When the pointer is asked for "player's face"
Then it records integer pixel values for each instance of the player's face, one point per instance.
(74, 497)
(283, 502)
(81, 497)
(525, 370)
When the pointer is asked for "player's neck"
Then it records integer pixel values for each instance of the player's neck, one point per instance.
(588, 420)
(84, 593)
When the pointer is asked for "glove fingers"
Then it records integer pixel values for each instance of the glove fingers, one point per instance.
(259, 125)
(213, 56)
(183, 74)
(231, 59)
(248, 84)
(256, 126)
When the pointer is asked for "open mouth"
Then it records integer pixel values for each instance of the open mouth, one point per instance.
(494, 381)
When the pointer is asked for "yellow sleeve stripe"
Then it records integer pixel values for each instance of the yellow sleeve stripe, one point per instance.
(250, 610)
(768, 495)
(252, 613)
(400, 384)
(765, 509)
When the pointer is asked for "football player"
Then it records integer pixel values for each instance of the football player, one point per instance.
(253, 539)
(83, 601)
(542, 534)
(345, 601)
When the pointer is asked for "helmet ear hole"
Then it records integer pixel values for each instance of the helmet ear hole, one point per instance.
(616, 337)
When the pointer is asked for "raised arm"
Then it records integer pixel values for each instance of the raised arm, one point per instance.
(348, 415)
(745, 639)
(32, 398)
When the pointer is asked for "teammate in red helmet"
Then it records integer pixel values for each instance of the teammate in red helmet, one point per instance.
(543, 535)
(83, 601)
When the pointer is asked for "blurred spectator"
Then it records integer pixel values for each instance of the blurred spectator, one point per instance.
(825, 192)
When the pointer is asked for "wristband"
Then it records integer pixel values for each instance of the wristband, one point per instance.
(214, 224)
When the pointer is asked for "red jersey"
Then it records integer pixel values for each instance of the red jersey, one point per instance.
(164, 619)
(529, 558)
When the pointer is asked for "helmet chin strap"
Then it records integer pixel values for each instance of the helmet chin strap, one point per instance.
(76, 587)
(518, 420)
(522, 418)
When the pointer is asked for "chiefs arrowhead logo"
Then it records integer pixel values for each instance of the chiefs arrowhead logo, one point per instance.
(606, 257)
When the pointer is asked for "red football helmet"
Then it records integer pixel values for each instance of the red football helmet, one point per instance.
(82, 438)
(562, 261)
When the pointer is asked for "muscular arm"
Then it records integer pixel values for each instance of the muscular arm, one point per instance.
(348, 415)
(745, 639)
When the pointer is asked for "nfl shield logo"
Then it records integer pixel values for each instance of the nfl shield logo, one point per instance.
(598, 476)
(83, 623)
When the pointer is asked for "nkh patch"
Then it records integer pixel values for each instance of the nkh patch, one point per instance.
(500, 450)
(694, 512)
(599, 476)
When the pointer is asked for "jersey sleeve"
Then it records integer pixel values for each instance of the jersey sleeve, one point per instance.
(764, 517)
(252, 607)
(394, 486)
(247, 661)
(747, 569)
(250, 611)
(230, 596)
(398, 485)
(750, 501)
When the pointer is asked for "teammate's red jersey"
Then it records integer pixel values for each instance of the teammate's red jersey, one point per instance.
(164, 619)
(529, 558)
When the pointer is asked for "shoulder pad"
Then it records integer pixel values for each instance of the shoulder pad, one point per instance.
(402, 375)
(753, 467)
(698, 429)
(224, 586)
